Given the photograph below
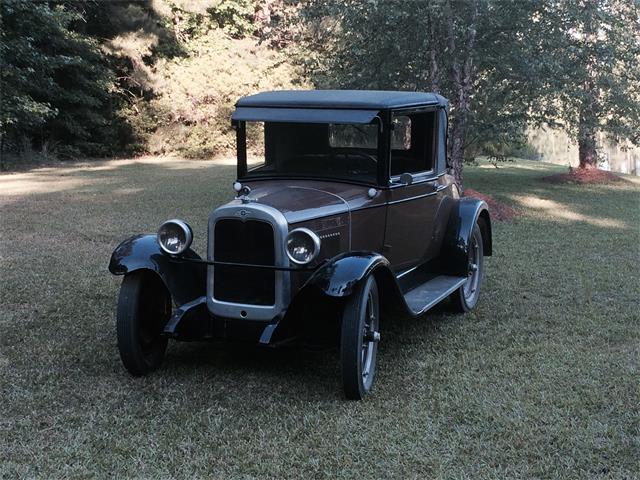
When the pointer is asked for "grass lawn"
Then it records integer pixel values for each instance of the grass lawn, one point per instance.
(541, 381)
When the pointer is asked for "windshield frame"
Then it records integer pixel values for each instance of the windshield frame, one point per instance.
(381, 180)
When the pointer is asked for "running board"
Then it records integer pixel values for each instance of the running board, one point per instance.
(421, 298)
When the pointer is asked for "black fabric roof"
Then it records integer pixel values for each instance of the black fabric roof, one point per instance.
(354, 99)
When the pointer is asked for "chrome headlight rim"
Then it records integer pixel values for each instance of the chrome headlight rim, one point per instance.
(188, 235)
(316, 243)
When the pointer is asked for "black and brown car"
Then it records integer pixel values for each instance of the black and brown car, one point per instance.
(343, 213)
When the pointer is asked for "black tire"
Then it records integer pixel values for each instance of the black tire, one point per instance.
(359, 340)
(466, 297)
(144, 307)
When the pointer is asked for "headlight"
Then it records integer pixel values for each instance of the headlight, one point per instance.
(303, 246)
(175, 236)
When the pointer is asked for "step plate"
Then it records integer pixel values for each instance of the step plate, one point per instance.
(423, 297)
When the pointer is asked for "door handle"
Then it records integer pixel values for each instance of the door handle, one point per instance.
(432, 186)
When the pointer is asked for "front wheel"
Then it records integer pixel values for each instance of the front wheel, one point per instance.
(359, 340)
(144, 307)
(466, 297)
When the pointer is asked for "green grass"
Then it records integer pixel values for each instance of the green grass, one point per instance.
(541, 381)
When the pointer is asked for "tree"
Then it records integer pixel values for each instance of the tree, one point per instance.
(503, 64)
(474, 52)
(55, 84)
(22, 83)
(592, 51)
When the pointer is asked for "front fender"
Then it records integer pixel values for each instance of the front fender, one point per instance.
(455, 249)
(339, 276)
(185, 281)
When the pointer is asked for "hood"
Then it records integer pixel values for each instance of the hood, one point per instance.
(299, 203)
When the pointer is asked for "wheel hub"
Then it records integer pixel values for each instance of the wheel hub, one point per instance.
(471, 286)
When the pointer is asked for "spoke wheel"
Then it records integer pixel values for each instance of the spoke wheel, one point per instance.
(144, 307)
(359, 340)
(466, 297)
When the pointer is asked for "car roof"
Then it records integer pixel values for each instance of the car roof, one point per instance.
(352, 99)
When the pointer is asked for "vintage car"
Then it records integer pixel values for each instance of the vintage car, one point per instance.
(343, 214)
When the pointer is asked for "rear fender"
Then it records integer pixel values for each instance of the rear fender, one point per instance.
(186, 281)
(454, 254)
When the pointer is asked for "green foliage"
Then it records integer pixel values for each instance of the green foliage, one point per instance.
(474, 52)
(590, 51)
(21, 68)
(56, 87)
(235, 17)
(97, 78)
(93, 78)
(572, 62)
(196, 93)
(180, 101)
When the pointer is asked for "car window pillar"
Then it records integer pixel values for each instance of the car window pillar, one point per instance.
(384, 143)
(241, 145)
(442, 141)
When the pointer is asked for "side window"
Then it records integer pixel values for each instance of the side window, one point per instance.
(412, 142)
(255, 141)
(401, 133)
(353, 136)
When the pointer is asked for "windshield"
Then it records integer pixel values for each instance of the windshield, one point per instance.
(319, 150)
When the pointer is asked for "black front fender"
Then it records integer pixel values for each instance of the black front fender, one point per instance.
(339, 276)
(185, 281)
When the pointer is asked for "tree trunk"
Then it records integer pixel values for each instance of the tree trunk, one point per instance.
(434, 70)
(2, 166)
(587, 151)
(588, 121)
(457, 139)
(462, 71)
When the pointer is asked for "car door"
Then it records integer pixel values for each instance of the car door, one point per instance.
(415, 193)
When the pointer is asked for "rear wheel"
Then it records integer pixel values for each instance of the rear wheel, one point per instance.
(359, 340)
(466, 297)
(144, 307)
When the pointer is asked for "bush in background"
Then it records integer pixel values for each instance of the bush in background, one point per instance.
(58, 91)
(196, 94)
(92, 78)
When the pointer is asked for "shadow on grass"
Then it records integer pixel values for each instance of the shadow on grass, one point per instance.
(310, 374)
(286, 370)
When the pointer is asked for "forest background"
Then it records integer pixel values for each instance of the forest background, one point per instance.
(557, 80)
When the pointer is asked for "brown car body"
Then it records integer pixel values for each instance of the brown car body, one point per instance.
(400, 223)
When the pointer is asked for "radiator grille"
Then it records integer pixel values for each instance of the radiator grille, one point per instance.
(249, 242)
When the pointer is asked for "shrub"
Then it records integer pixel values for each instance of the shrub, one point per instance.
(56, 86)
(196, 94)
